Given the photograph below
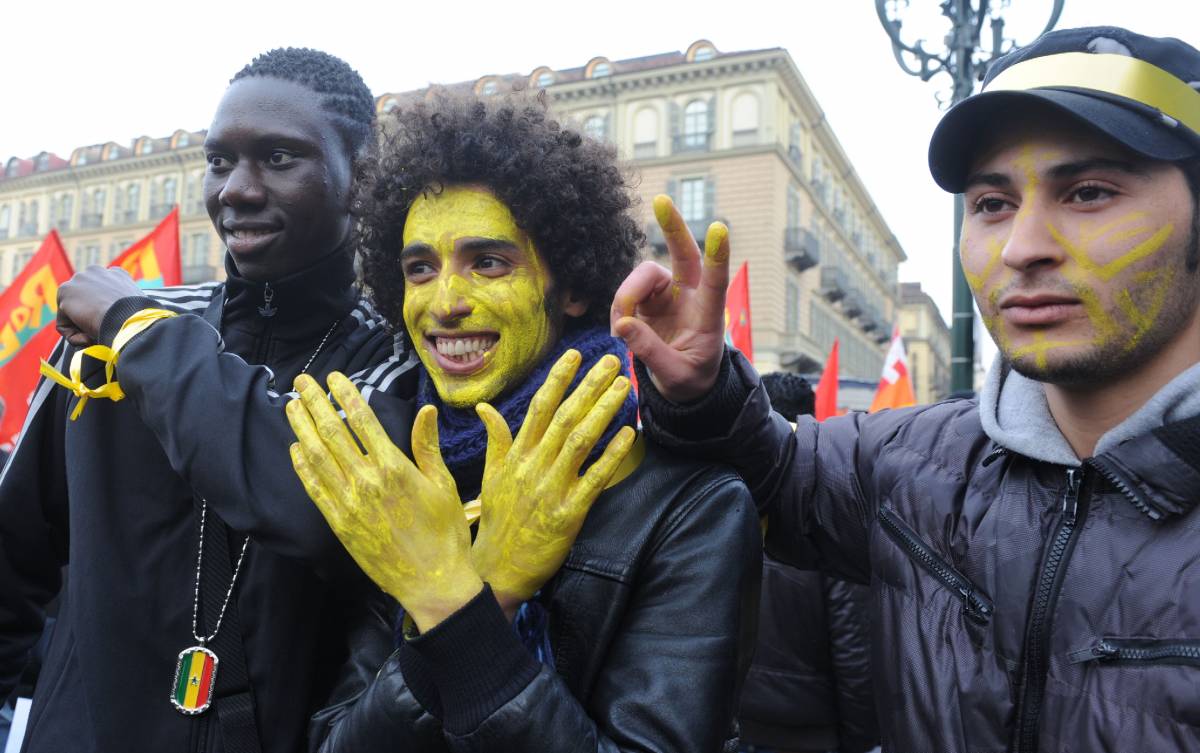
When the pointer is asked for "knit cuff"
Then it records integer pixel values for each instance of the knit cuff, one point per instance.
(707, 418)
(476, 662)
(118, 313)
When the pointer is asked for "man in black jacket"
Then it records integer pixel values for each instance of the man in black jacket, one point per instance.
(496, 239)
(193, 460)
(809, 687)
(1031, 554)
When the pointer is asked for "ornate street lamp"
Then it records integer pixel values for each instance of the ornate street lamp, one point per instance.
(963, 59)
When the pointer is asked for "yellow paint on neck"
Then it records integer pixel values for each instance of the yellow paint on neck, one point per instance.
(507, 299)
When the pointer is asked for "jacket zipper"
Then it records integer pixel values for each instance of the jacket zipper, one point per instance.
(1037, 634)
(976, 605)
(1113, 476)
(1140, 651)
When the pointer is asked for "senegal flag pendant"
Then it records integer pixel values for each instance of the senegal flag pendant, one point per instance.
(195, 676)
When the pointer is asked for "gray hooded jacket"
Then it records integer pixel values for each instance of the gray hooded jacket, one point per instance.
(1023, 600)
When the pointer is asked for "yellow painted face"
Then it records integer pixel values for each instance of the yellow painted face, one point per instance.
(475, 293)
(1076, 253)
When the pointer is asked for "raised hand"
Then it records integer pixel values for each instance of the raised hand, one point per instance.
(86, 298)
(402, 523)
(674, 321)
(533, 499)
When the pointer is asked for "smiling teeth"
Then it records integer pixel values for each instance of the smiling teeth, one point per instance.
(463, 348)
(249, 234)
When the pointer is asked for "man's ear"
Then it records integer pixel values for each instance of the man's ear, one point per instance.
(573, 305)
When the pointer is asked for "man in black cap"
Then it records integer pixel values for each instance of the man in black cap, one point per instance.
(1032, 553)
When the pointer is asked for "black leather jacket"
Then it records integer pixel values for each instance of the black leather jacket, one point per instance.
(651, 621)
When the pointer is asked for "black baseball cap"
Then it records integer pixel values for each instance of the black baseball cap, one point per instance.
(1143, 92)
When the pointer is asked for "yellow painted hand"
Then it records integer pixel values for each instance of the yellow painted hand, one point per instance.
(533, 499)
(674, 321)
(402, 523)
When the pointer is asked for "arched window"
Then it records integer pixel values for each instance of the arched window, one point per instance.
(705, 52)
(596, 127)
(600, 68)
(170, 189)
(645, 133)
(696, 126)
(489, 88)
(183, 140)
(544, 79)
(745, 119)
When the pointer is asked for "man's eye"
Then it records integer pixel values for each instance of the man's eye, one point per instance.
(281, 158)
(491, 263)
(990, 205)
(217, 162)
(418, 269)
(1090, 193)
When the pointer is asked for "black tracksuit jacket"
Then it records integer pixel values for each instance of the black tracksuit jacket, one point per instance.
(113, 499)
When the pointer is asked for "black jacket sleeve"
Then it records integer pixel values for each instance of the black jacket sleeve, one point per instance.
(670, 682)
(33, 526)
(224, 430)
(848, 613)
(808, 483)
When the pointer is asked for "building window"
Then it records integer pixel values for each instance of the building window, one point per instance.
(20, 260)
(116, 248)
(707, 52)
(489, 88)
(43, 162)
(692, 199)
(5, 218)
(696, 126)
(601, 69)
(596, 127)
(545, 79)
(183, 140)
(795, 150)
(87, 255)
(146, 147)
(745, 119)
(645, 133)
(793, 206)
(196, 253)
(791, 312)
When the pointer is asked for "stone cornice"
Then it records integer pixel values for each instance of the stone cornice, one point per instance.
(667, 76)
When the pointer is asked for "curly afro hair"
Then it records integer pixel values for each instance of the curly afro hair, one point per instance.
(346, 95)
(566, 192)
(790, 394)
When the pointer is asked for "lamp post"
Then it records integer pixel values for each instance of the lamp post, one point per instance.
(963, 59)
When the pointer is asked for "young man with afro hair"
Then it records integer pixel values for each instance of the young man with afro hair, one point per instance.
(208, 605)
(610, 610)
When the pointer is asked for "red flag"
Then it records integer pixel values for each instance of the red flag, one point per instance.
(27, 310)
(153, 262)
(737, 313)
(827, 388)
(895, 387)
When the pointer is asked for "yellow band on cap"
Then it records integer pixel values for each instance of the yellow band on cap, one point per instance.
(1112, 74)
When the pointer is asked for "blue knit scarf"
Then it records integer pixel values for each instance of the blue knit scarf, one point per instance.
(461, 433)
(463, 441)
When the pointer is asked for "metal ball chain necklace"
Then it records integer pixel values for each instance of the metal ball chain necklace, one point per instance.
(196, 668)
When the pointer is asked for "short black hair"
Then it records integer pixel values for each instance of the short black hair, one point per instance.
(566, 192)
(790, 394)
(346, 94)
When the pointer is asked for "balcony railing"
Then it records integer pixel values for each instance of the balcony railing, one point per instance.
(833, 283)
(90, 220)
(852, 305)
(27, 230)
(193, 273)
(128, 217)
(801, 248)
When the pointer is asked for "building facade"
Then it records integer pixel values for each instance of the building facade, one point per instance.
(104, 198)
(927, 339)
(736, 137)
(739, 137)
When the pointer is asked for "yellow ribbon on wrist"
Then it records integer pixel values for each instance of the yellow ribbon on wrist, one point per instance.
(132, 327)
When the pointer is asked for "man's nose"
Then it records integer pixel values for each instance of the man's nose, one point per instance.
(450, 303)
(243, 186)
(1034, 241)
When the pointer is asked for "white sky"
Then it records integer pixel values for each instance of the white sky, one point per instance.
(76, 74)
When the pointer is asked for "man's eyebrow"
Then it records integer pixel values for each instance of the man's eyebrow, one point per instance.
(1073, 169)
(416, 248)
(481, 245)
(995, 180)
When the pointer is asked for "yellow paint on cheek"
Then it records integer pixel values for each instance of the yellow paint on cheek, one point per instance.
(1079, 253)
(976, 281)
(1156, 283)
(513, 305)
(1041, 346)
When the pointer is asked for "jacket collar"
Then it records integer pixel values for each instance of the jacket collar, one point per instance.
(301, 305)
